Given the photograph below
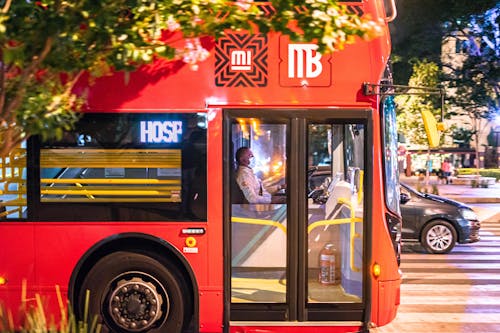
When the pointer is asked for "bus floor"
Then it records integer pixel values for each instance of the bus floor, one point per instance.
(269, 290)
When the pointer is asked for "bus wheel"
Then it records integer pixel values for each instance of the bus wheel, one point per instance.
(439, 237)
(132, 292)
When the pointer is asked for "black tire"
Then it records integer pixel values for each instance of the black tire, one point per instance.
(133, 292)
(439, 237)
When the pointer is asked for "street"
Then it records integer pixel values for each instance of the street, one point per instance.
(457, 292)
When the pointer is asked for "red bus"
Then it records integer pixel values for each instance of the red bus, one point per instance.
(140, 204)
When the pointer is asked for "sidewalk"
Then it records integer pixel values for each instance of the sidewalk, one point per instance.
(462, 193)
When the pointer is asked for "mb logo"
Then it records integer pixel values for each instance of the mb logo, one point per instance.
(302, 65)
(304, 61)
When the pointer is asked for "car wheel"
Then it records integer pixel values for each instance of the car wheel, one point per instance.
(132, 292)
(439, 237)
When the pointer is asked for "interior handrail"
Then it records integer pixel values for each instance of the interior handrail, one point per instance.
(109, 158)
(321, 223)
(247, 220)
(114, 192)
(141, 181)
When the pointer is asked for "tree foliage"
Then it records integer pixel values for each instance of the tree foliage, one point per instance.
(476, 79)
(45, 46)
(410, 106)
(419, 28)
(474, 82)
(462, 136)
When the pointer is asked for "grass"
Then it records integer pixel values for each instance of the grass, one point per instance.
(35, 318)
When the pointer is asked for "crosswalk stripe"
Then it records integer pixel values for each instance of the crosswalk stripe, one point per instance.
(438, 327)
(451, 308)
(455, 300)
(451, 317)
(488, 238)
(451, 293)
(456, 288)
(476, 250)
(454, 317)
(454, 276)
(434, 265)
(463, 258)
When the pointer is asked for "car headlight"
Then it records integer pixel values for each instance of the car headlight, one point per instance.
(468, 214)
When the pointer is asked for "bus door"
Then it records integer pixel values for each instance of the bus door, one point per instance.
(296, 216)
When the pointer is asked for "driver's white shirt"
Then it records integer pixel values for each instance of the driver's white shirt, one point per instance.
(252, 187)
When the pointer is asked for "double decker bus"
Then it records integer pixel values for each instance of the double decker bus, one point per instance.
(137, 217)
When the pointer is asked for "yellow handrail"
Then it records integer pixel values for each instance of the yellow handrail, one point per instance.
(352, 220)
(140, 181)
(14, 202)
(353, 233)
(114, 192)
(117, 188)
(13, 184)
(332, 222)
(258, 221)
(146, 190)
(120, 199)
(90, 196)
(12, 211)
(360, 190)
(150, 187)
(109, 158)
(79, 187)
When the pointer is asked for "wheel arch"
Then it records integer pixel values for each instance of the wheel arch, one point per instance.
(146, 244)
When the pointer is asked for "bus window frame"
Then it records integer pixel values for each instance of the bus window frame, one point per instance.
(35, 204)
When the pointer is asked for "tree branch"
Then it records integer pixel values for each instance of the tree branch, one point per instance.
(2, 84)
(11, 137)
(67, 92)
(25, 77)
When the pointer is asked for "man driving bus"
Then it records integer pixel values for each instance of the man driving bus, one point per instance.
(251, 186)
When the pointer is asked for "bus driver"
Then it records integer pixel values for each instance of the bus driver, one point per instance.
(249, 183)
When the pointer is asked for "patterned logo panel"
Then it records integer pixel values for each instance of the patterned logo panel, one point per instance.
(241, 61)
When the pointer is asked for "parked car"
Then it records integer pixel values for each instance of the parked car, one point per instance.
(436, 222)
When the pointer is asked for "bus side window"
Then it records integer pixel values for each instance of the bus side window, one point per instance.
(13, 197)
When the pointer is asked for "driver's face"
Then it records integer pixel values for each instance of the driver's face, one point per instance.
(246, 157)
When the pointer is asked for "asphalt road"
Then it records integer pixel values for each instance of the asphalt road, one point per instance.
(454, 293)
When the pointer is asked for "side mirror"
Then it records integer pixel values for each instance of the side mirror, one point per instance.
(403, 198)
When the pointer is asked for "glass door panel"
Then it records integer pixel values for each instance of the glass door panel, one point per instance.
(295, 216)
(335, 213)
(258, 212)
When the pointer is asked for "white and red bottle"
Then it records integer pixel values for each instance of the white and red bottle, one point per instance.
(327, 259)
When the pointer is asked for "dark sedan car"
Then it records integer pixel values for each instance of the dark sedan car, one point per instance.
(436, 222)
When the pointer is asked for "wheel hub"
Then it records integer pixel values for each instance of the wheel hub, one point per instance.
(440, 238)
(135, 304)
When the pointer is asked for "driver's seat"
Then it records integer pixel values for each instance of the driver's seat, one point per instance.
(237, 196)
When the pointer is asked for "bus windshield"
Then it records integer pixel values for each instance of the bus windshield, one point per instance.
(390, 154)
